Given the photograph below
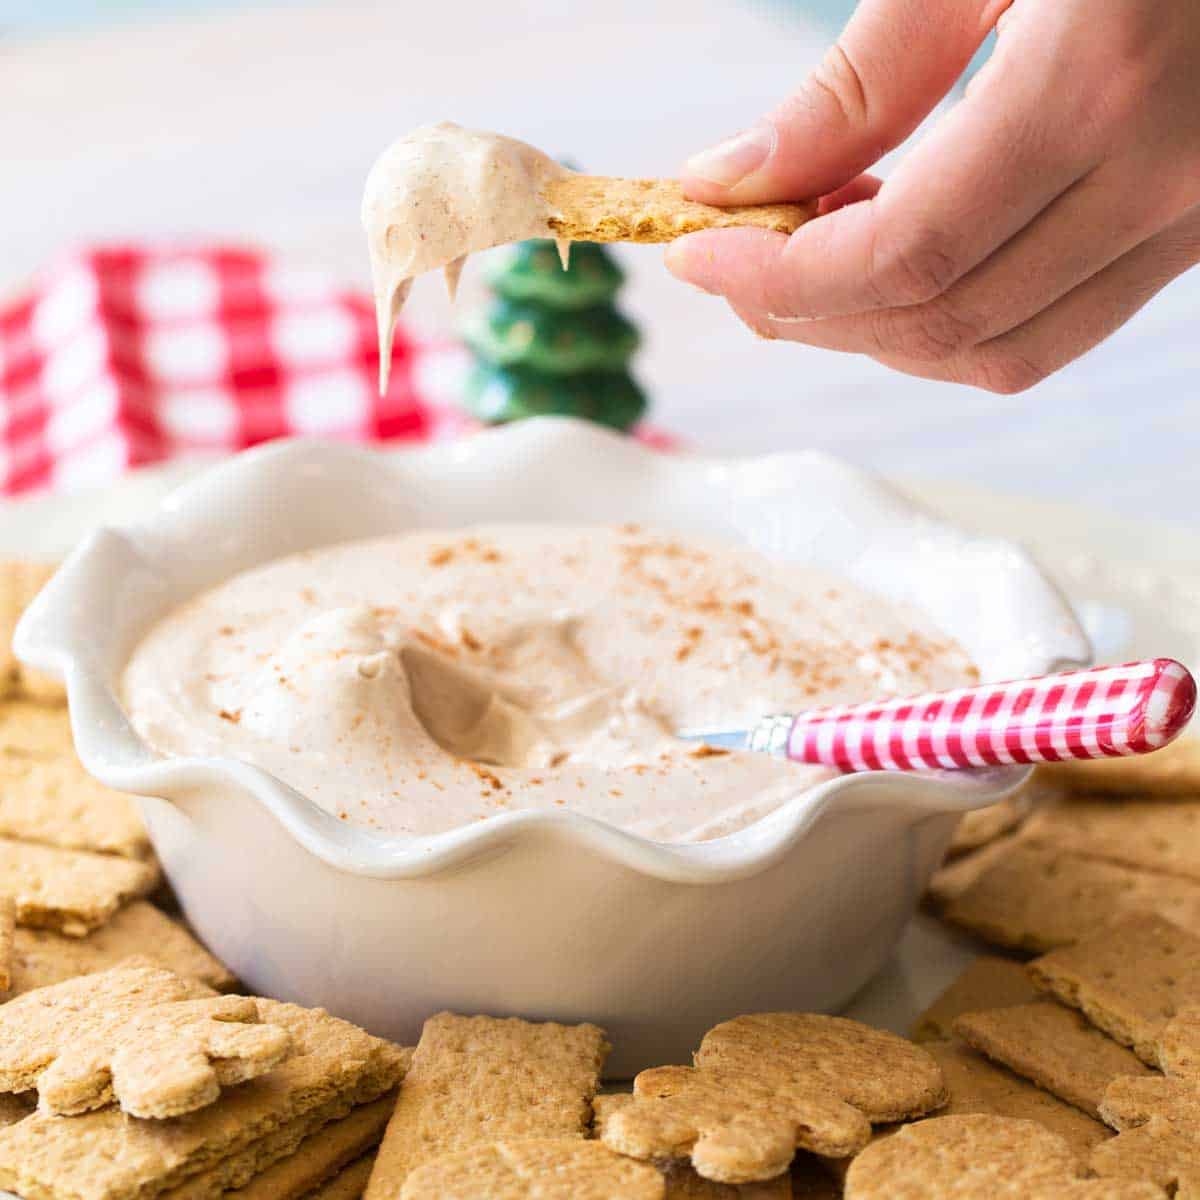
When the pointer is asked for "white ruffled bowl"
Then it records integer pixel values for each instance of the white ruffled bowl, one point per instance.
(551, 915)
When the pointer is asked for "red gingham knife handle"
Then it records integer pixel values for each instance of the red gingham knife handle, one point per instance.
(1098, 713)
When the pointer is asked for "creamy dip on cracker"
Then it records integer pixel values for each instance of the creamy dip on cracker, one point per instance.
(419, 683)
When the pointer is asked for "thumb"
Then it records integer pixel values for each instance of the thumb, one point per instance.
(894, 61)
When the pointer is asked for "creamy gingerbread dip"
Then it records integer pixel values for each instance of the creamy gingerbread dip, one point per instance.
(419, 683)
(441, 193)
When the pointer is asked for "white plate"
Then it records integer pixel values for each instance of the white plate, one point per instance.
(1138, 585)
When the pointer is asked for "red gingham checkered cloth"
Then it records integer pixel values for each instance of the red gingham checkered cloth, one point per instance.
(124, 355)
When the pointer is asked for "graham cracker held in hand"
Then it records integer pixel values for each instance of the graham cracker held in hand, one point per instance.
(977, 1085)
(1157, 1117)
(1162, 836)
(767, 1084)
(1171, 771)
(20, 582)
(1054, 1046)
(1031, 898)
(598, 208)
(73, 891)
(988, 982)
(476, 1080)
(979, 1158)
(548, 1168)
(106, 1155)
(1129, 978)
(42, 956)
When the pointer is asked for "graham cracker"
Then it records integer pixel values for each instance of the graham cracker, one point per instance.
(58, 803)
(302, 1155)
(550, 1168)
(8, 929)
(977, 1085)
(979, 1157)
(32, 730)
(977, 828)
(1156, 1117)
(683, 1183)
(42, 956)
(73, 891)
(20, 582)
(1054, 1046)
(348, 1184)
(599, 208)
(106, 1155)
(1130, 978)
(1172, 771)
(1156, 835)
(1031, 898)
(478, 1080)
(989, 982)
(163, 1060)
(767, 1084)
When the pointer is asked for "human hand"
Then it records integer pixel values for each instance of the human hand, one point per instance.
(1039, 214)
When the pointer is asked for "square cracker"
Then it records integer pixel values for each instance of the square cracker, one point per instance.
(73, 891)
(989, 982)
(348, 1184)
(1129, 978)
(31, 730)
(42, 956)
(105, 1155)
(1154, 835)
(20, 582)
(1054, 1046)
(476, 1080)
(1171, 771)
(983, 825)
(56, 802)
(977, 1085)
(1032, 898)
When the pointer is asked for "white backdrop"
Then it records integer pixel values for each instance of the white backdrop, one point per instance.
(261, 124)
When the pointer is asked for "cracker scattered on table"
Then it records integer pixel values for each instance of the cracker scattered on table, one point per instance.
(1155, 835)
(20, 582)
(348, 1184)
(106, 1155)
(768, 1084)
(599, 208)
(1171, 771)
(960, 874)
(988, 982)
(978, 1085)
(42, 956)
(1156, 1116)
(979, 1157)
(546, 1168)
(1129, 978)
(73, 891)
(58, 803)
(476, 1080)
(1053, 1045)
(1032, 898)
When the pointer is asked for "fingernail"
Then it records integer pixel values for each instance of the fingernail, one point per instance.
(729, 162)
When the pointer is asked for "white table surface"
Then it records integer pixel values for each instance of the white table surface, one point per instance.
(260, 123)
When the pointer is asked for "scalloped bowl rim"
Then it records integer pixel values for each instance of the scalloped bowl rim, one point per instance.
(115, 754)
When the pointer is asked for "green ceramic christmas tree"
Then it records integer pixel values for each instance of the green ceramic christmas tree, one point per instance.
(552, 341)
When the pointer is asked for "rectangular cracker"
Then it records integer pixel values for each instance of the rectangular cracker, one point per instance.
(73, 891)
(599, 208)
(1155, 835)
(483, 1079)
(348, 1184)
(8, 929)
(1171, 771)
(42, 956)
(1032, 898)
(977, 1085)
(1129, 978)
(20, 582)
(983, 825)
(31, 730)
(297, 1158)
(105, 1155)
(989, 982)
(56, 802)
(1054, 1046)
